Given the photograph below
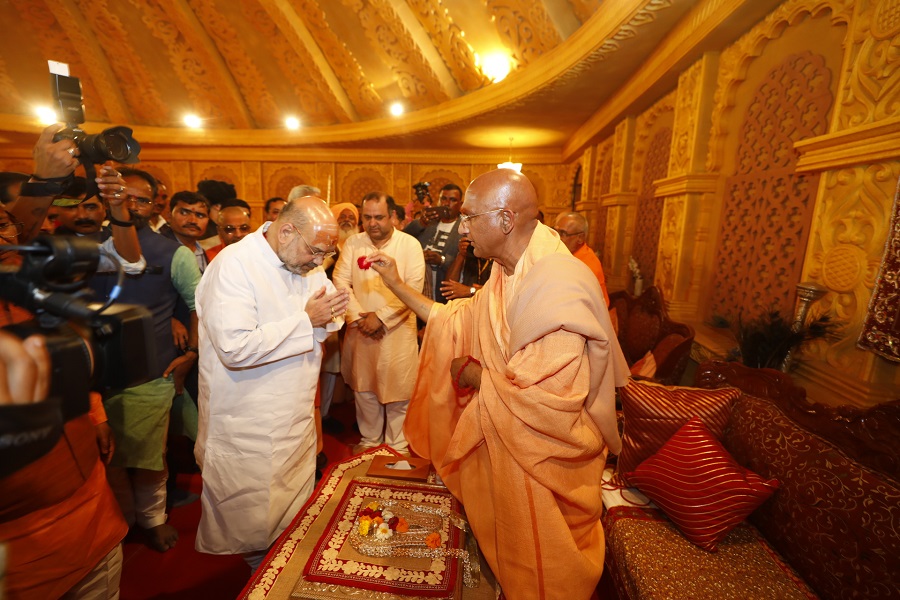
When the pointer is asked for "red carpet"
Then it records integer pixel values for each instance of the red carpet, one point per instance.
(182, 573)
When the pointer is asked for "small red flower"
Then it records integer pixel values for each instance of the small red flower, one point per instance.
(392, 523)
(363, 263)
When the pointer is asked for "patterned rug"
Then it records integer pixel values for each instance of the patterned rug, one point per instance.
(881, 329)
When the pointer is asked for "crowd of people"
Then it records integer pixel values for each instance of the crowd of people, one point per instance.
(464, 327)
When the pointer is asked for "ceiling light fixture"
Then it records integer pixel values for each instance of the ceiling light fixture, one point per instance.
(193, 121)
(509, 164)
(496, 66)
(397, 109)
(292, 123)
(46, 115)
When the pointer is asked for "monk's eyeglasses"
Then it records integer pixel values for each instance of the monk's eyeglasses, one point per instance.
(567, 234)
(314, 251)
(467, 218)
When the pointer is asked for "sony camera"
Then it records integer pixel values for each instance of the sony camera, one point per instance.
(115, 143)
(91, 346)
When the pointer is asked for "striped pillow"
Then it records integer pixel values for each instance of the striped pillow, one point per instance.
(699, 485)
(653, 413)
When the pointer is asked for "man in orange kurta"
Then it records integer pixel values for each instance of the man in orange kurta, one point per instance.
(524, 445)
(572, 228)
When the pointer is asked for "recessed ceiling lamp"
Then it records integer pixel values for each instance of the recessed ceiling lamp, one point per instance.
(45, 114)
(193, 121)
(496, 66)
(397, 109)
(509, 164)
(292, 123)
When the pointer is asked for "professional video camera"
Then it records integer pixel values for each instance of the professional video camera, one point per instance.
(102, 347)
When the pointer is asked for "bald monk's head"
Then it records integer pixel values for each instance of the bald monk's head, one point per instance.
(499, 215)
(304, 234)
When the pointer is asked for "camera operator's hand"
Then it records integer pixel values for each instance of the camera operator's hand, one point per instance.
(24, 369)
(54, 159)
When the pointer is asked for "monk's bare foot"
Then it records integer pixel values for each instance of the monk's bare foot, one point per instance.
(162, 537)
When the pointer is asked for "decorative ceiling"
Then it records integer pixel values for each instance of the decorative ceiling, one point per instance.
(244, 66)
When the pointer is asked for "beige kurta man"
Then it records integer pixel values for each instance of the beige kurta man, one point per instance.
(380, 367)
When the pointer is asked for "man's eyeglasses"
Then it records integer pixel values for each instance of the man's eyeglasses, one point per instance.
(567, 234)
(466, 218)
(232, 228)
(140, 200)
(10, 229)
(314, 251)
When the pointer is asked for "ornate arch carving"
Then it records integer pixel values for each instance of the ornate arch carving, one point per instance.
(735, 61)
(767, 207)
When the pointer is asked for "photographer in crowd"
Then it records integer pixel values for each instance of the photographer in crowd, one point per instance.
(58, 517)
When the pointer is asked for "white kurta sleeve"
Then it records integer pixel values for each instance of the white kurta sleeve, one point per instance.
(244, 333)
(106, 264)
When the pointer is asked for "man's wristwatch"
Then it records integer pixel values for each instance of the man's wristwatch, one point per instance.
(39, 187)
(193, 349)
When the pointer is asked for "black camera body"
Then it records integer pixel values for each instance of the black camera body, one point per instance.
(89, 350)
(115, 143)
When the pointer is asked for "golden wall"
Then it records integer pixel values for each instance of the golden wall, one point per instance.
(772, 160)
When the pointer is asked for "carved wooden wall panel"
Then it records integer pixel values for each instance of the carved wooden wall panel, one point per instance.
(650, 208)
(355, 181)
(439, 177)
(767, 206)
(278, 179)
(227, 172)
(871, 90)
(852, 224)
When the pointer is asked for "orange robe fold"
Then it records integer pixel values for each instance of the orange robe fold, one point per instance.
(525, 454)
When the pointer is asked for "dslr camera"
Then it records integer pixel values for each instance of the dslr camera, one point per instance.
(115, 143)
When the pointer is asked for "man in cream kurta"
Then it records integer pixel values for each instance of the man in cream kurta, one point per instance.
(523, 441)
(265, 306)
(379, 358)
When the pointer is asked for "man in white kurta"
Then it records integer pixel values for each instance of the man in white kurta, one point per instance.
(265, 306)
(380, 354)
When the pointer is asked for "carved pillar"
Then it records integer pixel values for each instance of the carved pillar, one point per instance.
(251, 175)
(621, 203)
(684, 234)
(859, 162)
(588, 203)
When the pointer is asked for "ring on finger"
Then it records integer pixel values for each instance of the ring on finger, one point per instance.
(71, 151)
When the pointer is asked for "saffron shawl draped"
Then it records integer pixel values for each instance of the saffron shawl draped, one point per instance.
(525, 454)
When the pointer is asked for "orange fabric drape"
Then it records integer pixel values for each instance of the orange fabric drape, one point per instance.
(526, 454)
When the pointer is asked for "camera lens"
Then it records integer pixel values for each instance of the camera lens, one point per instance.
(113, 145)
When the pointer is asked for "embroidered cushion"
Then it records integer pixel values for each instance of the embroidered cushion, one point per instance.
(699, 485)
(653, 413)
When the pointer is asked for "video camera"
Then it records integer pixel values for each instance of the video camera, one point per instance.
(92, 347)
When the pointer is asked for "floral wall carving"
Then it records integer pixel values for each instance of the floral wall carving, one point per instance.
(852, 223)
(525, 28)
(871, 90)
(650, 208)
(767, 205)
